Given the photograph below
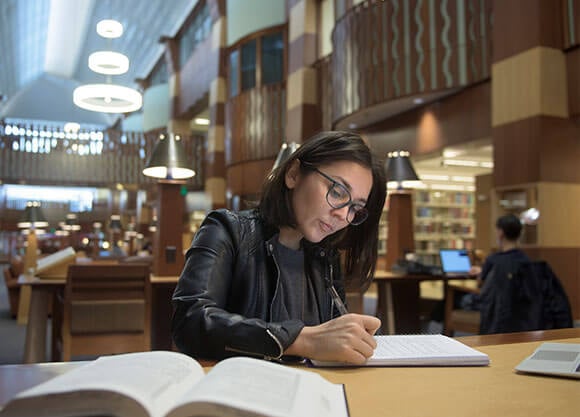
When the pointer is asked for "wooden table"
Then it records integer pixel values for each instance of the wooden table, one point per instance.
(43, 290)
(495, 390)
(398, 303)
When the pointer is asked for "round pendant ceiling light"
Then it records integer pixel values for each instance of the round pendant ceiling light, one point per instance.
(107, 98)
(109, 28)
(108, 62)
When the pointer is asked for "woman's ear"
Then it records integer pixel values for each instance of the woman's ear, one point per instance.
(292, 174)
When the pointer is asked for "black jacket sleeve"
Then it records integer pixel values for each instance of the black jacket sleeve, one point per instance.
(221, 303)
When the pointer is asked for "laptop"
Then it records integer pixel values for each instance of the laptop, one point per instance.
(454, 261)
(557, 359)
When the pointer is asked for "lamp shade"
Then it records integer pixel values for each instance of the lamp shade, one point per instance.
(72, 222)
(115, 223)
(398, 167)
(168, 160)
(32, 216)
(286, 150)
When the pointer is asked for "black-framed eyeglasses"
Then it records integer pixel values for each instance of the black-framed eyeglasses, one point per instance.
(338, 197)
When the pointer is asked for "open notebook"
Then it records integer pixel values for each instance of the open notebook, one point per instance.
(557, 359)
(420, 350)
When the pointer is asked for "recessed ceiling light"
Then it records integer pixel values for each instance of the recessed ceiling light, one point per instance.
(451, 153)
(201, 121)
(418, 100)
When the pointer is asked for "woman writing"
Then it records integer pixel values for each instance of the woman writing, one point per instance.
(269, 282)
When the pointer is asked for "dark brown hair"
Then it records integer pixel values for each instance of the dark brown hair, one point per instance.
(510, 225)
(357, 243)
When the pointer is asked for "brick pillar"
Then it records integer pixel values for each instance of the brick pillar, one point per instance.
(536, 150)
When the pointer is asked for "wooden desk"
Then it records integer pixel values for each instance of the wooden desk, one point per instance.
(398, 303)
(42, 290)
(495, 390)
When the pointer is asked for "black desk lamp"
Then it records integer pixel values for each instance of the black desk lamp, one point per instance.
(400, 233)
(168, 160)
(398, 168)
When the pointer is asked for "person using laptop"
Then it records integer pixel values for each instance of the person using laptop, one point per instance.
(508, 229)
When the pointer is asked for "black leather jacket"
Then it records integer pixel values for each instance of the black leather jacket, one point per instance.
(224, 297)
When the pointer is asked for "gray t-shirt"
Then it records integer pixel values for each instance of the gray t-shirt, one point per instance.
(296, 296)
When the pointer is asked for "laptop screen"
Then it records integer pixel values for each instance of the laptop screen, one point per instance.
(454, 261)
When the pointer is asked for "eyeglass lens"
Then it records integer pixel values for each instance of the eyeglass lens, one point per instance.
(339, 197)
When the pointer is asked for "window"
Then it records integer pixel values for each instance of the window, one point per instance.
(79, 199)
(159, 75)
(197, 31)
(248, 65)
(233, 76)
(257, 62)
(272, 58)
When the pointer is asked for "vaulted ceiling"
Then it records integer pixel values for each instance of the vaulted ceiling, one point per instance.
(52, 39)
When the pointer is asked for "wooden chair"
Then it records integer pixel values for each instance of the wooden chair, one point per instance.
(11, 274)
(105, 309)
(459, 319)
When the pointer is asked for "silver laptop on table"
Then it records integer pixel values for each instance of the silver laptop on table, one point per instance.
(557, 359)
(454, 261)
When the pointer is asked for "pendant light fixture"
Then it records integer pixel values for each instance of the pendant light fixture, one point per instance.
(108, 97)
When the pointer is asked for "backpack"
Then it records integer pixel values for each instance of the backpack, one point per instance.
(522, 296)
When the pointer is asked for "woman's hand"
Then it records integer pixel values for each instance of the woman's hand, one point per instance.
(347, 339)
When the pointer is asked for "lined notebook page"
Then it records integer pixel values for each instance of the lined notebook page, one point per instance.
(420, 350)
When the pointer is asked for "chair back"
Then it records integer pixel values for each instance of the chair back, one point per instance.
(106, 309)
(12, 289)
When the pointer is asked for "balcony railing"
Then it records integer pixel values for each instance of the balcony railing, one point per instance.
(69, 160)
(255, 123)
(385, 50)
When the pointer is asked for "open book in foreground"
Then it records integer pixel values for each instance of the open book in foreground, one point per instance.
(420, 350)
(171, 384)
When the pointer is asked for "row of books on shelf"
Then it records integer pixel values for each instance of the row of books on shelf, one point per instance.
(432, 246)
(444, 198)
(444, 212)
(444, 228)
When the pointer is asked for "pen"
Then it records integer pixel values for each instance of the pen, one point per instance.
(337, 300)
